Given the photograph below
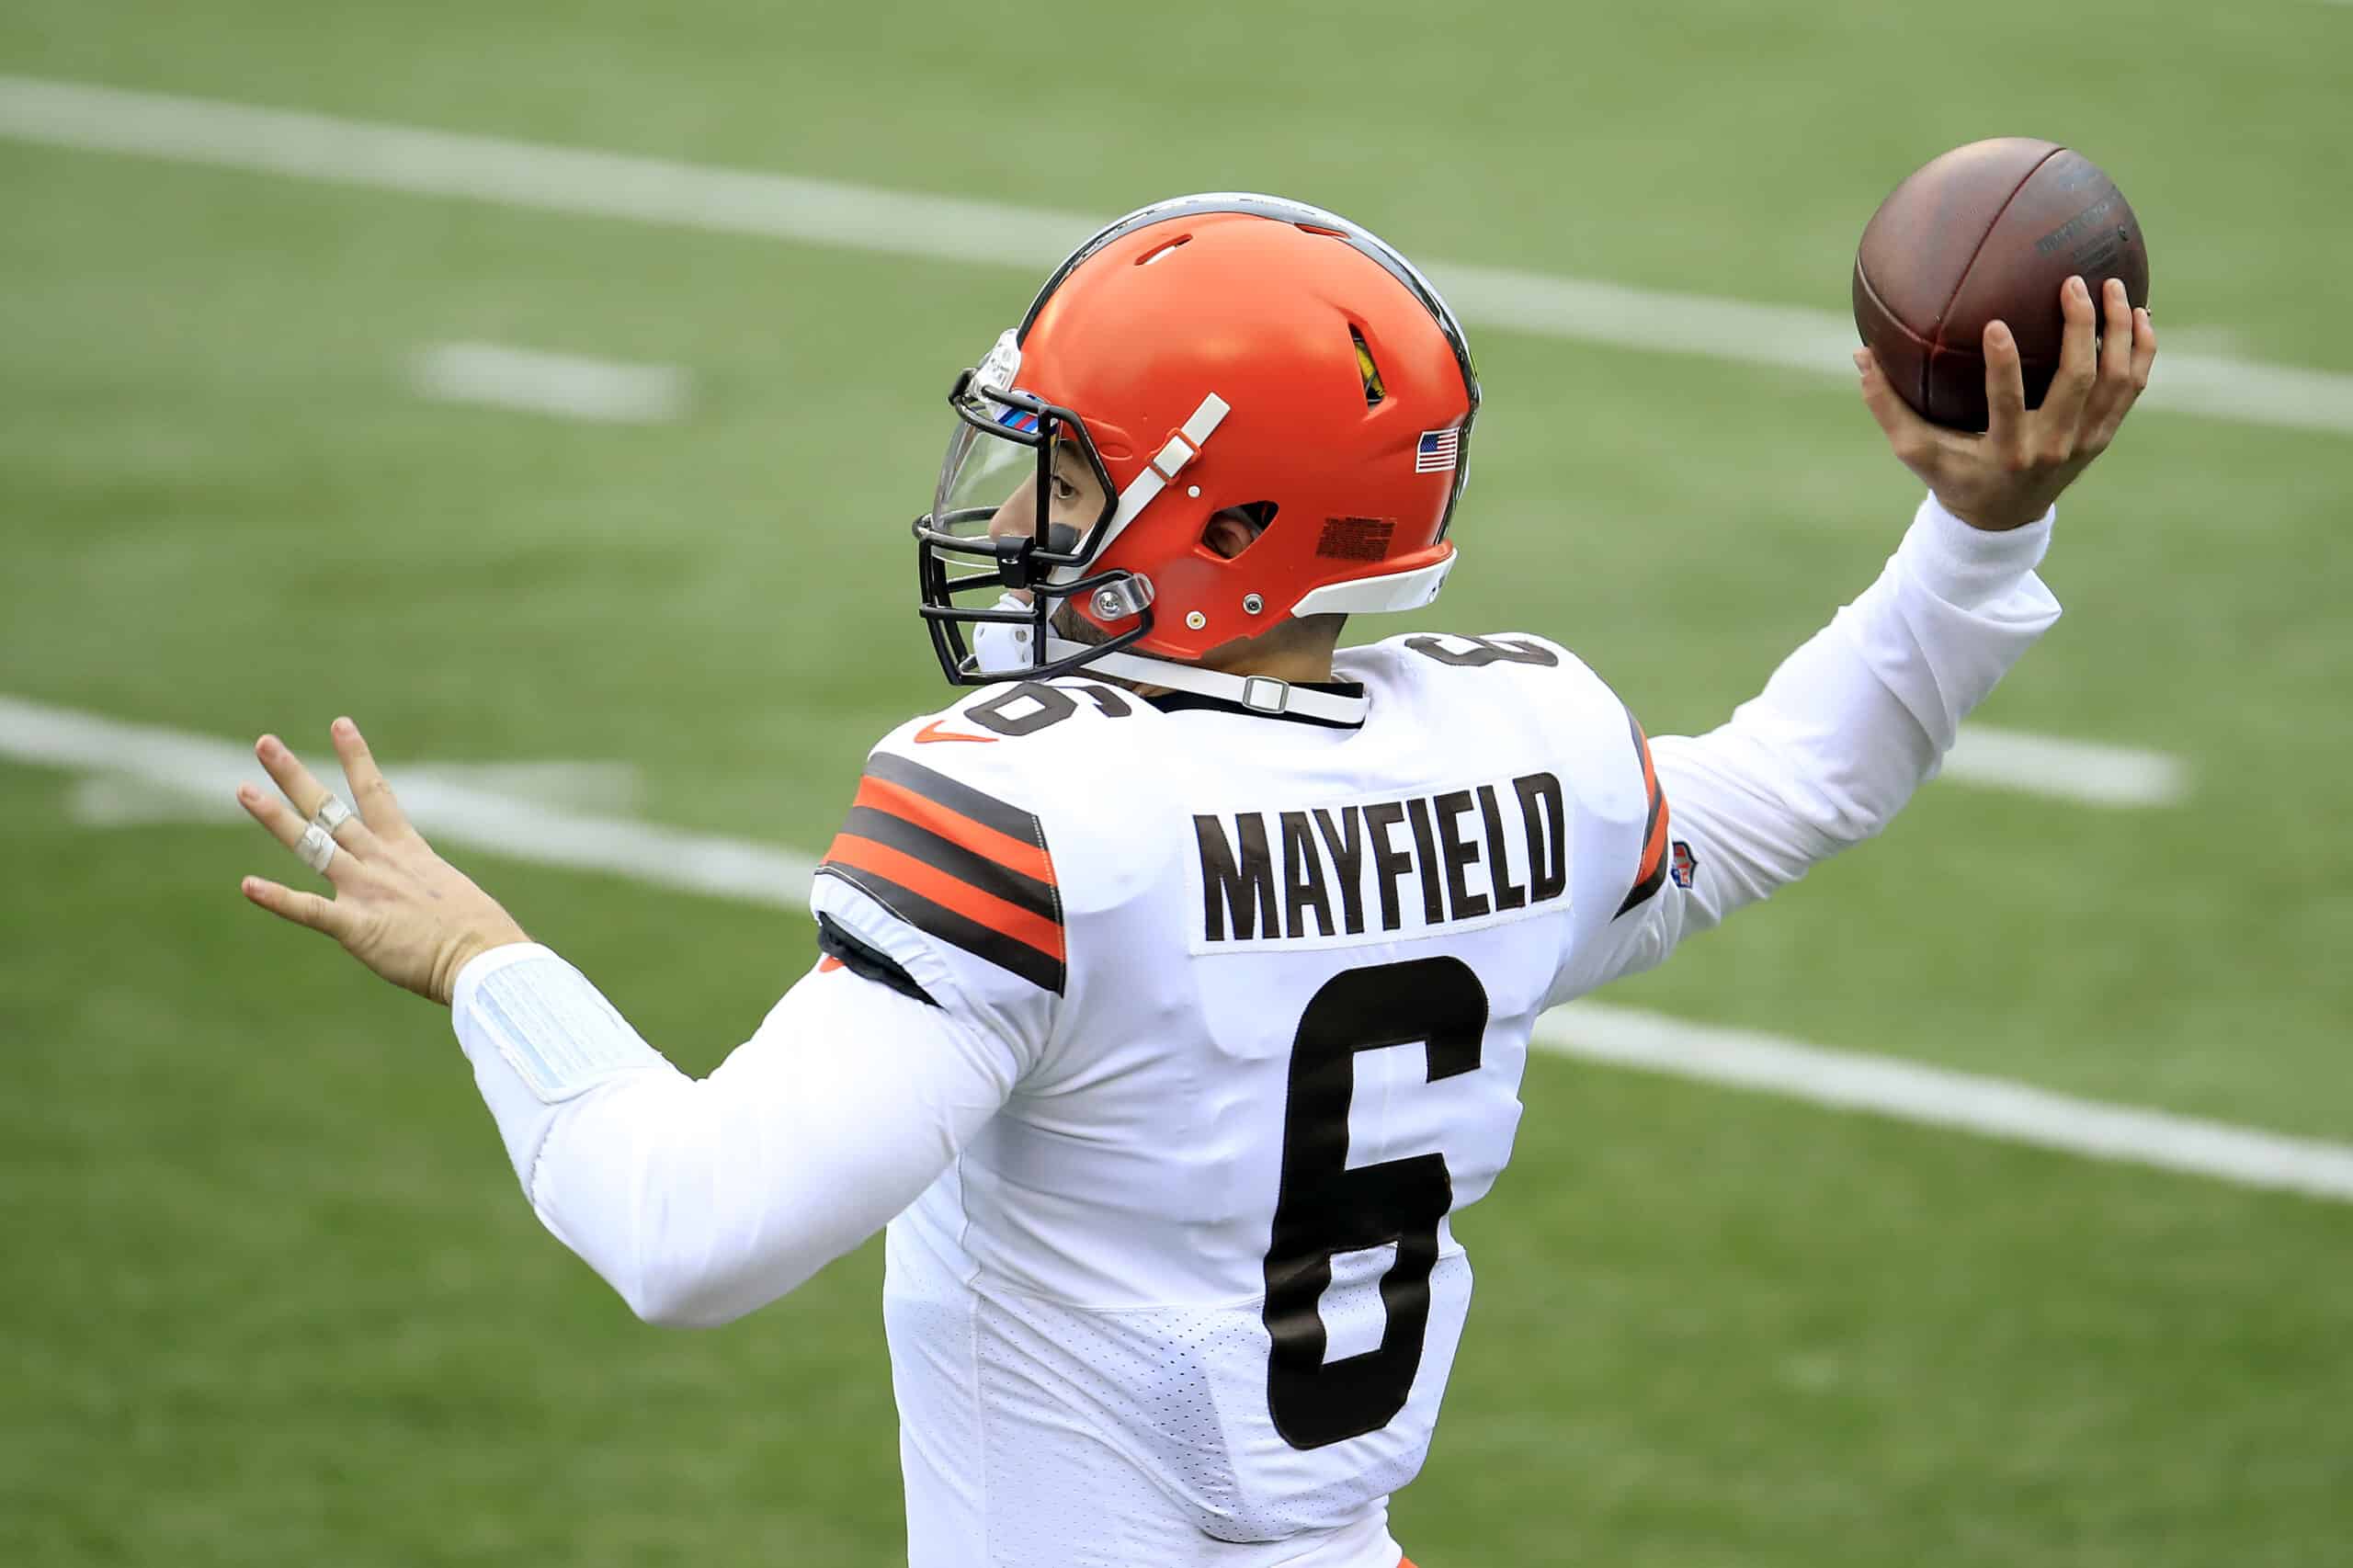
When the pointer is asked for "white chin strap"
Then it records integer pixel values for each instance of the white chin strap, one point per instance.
(1259, 694)
(1003, 648)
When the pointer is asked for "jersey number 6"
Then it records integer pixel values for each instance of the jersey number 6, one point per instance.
(1325, 1208)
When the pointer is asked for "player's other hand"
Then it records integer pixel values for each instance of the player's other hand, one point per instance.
(398, 907)
(2010, 476)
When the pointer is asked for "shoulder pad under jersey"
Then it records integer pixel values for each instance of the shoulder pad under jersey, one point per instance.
(1619, 844)
(955, 856)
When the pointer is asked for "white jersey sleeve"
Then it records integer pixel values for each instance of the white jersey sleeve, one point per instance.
(1846, 729)
(702, 1201)
(941, 928)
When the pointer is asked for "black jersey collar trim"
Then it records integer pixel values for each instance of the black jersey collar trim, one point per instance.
(1183, 702)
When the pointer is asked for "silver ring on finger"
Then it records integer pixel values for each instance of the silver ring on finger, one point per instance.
(315, 847)
(331, 813)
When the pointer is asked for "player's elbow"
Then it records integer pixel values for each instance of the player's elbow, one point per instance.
(666, 1307)
(674, 1298)
(703, 1290)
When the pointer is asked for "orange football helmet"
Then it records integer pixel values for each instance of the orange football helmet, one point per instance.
(1207, 353)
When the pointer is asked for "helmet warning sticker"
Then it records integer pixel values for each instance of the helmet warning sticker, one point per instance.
(1356, 538)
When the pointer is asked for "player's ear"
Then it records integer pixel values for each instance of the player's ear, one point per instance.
(1233, 529)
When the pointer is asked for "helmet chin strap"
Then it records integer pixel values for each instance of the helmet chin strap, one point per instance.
(1260, 694)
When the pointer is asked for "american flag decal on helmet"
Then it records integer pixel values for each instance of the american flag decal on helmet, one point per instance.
(1437, 451)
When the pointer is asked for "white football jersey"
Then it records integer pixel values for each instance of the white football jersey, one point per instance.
(1270, 985)
(1175, 1035)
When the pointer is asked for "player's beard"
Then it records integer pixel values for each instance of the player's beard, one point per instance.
(1068, 624)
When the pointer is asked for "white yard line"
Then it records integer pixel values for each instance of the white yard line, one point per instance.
(1935, 1097)
(534, 382)
(2068, 770)
(123, 799)
(207, 769)
(826, 212)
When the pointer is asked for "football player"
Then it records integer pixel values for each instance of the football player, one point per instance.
(1175, 985)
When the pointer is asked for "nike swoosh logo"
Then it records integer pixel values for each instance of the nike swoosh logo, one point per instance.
(932, 731)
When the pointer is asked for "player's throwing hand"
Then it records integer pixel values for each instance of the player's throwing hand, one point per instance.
(398, 907)
(2010, 476)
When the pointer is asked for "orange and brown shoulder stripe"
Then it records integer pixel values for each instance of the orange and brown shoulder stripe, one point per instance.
(1650, 872)
(956, 863)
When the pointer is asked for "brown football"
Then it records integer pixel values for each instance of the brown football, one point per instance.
(1988, 232)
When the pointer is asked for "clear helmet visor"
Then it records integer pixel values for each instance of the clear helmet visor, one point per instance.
(984, 471)
(1019, 466)
(1023, 504)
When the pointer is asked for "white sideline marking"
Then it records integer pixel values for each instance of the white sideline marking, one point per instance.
(756, 873)
(826, 212)
(561, 384)
(207, 769)
(2070, 770)
(1936, 1096)
(120, 799)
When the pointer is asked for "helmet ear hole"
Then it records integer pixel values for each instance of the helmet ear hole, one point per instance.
(1234, 529)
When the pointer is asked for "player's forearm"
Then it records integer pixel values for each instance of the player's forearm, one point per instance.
(1851, 724)
(696, 1201)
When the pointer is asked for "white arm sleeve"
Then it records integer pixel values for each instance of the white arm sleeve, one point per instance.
(1845, 731)
(700, 1201)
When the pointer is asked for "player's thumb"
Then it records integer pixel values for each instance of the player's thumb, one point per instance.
(1878, 396)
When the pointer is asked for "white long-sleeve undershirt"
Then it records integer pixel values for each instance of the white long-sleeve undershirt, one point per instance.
(700, 1201)
(1846, 730)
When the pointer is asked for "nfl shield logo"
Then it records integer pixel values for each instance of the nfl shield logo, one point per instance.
(1683, 864)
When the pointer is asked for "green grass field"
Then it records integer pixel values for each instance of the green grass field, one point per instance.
(272, 1296)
